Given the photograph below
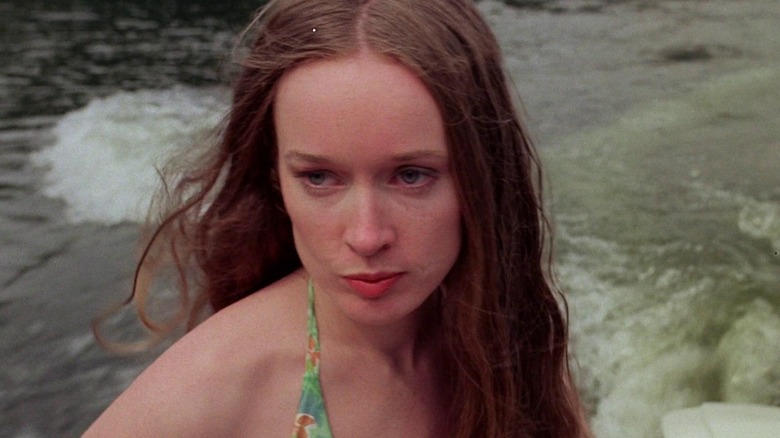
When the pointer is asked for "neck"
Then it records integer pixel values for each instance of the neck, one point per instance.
(399, 346)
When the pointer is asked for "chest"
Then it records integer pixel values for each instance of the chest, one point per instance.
(369, 404)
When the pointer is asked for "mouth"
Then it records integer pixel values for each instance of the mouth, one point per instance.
(372, 285)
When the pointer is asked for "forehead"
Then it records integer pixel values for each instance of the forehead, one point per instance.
(360, 100)
(346, 76)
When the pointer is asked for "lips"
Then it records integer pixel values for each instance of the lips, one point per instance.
(372, 285)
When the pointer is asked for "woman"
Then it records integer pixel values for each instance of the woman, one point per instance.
(373, 184)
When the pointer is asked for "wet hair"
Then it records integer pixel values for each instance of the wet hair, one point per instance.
(501, 322)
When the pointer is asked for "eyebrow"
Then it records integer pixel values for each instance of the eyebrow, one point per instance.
(296, 155)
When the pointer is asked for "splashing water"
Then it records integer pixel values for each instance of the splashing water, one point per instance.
(104, 160)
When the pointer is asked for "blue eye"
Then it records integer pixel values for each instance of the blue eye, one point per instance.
(319, 180)
(316, 178)
(410, 176)
(415, 177)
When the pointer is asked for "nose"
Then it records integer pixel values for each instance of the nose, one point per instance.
(369, 230)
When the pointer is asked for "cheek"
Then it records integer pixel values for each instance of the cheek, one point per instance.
(453, 238)
(300, 209)
(314, 227)
(299, 212)
(439, 238)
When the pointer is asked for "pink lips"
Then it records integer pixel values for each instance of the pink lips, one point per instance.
(372, 285)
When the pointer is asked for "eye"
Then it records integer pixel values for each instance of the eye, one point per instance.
(316, 178)
(410, 176)
(414, 176)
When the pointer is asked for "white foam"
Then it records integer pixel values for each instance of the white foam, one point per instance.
(641, 346)
(103, 162)
(637, 350)
(748, 355)
(761, 220)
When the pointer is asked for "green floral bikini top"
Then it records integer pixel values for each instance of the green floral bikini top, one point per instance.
(312, 420)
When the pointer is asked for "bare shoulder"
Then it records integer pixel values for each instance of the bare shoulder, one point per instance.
(238, 366)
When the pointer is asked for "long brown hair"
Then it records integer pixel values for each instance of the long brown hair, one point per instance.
(502, 322)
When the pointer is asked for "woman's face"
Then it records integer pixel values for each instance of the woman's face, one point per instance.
(364, 172)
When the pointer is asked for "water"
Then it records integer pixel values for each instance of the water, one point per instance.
(123, 139)
(671, 253)
(658, 124)
(92, 95)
